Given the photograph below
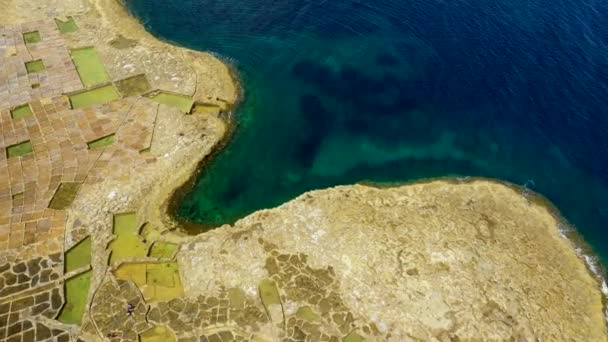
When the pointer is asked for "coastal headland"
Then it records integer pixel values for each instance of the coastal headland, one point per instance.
(101, 122)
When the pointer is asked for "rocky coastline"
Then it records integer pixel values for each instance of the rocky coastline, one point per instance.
(105, 261)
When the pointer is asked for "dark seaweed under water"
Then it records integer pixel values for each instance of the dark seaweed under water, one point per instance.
(388, 90)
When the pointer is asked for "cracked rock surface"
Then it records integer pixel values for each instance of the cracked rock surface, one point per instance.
(430, 261)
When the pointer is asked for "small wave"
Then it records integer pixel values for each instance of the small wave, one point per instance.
(594, 266)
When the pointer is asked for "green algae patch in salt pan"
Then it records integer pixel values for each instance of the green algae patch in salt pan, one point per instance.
(67, 26)
(101, 142)
(78, 256)
(76, 293)
(204, 108)
(64, 196)
(36, 66)
(163, 250)
(237, 298)
(183, 102)
(127, 243)
(89, 66)
(19, 149)
(156, 281)
(21, 112)
(32, 37)
(353, 337)
(161, 274)
(157, 334)
(94, 96)
(307, 314)
(269, 293)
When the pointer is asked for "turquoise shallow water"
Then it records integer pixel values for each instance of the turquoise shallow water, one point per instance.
(389, 91)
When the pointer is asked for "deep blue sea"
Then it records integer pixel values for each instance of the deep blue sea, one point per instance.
(337, 92)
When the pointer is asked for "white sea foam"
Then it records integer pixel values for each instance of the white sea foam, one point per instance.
(563, 230)
(593, 264)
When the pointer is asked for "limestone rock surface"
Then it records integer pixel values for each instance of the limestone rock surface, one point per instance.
(430, 261)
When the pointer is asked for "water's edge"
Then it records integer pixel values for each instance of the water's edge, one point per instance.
(564, 227)
(566, 230)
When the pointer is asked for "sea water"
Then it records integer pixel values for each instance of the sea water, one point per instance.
(337, 92)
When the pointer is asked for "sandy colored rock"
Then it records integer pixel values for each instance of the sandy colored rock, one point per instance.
(430, 261)
(434, 261)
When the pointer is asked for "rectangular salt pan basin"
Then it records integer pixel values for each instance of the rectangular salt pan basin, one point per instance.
(95, 96)
(67, 26)
(89, 66)
(184, 103)
(19, 149)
